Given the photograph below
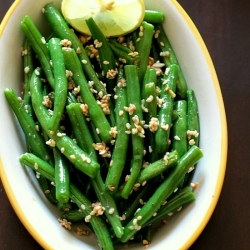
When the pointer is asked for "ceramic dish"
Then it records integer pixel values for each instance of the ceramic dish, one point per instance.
(40, 217)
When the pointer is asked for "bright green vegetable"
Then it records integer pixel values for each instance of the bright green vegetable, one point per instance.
(118, 159)
(143, 47)
(154, 16)
(168, 56)
(162, 192)
(179, 140)
(64, 143)
(107, 59)
(62, 178)
(38, 44)
(193, 125)
(136, 117)
(60, 82)
(82, 202)
(165, 114)
(158, 167)
(94, 110)
(182, 198)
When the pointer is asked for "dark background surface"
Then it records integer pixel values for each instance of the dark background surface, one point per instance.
(225, 28)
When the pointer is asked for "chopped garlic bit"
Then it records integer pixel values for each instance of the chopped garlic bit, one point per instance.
(103, 149)
(98, 209)
(64, 223)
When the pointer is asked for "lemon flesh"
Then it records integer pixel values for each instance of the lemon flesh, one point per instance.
(113, 17)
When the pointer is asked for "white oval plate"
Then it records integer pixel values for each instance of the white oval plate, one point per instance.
(40, 217)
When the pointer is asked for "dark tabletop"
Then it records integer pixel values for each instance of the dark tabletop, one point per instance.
(225, 28)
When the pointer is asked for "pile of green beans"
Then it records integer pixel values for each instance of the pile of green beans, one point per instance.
(110, 125)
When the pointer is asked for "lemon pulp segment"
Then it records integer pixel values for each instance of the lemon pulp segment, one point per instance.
(113, 17)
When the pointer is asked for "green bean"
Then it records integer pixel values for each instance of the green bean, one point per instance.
(109, 204)
(64, 206)
(146, 235)
(47, 188)
(98, 225)
(180, 128)
(118, 159)
(158, 167)
(81, 130)
(150, 104)
(38, 44)
(62, 178)
(123, 53)
(153, 16)
(39, 165)
(61, 29)
(74, 215)
(143, 47)
(107, 60)
(71, 98)
(64, 143)
(193, 125)
(34, 138)
(60, 81)
(162, 193)
(85, 140)
(182, 198)
(136, 118)
(136, 201)
(81, 201)
(165, 112)
(169, 57)
(28, 65)
(94, 110)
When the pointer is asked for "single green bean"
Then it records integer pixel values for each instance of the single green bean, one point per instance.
(158, 167)
(64, 206)
(38, 44)
(143, 47)
(80, 128)
(47, 188)
(150, 104)
(33, 136)
(168, 56)
(107, 59)
(136, 117)
(179, 141)
(193, 126)
(123, 53)
(119, 154)
(62, 178)
(60, 81)
(162, 193)
(73, 216)
(182, 198)
(153, 16)
(136, 200)
(165, 112)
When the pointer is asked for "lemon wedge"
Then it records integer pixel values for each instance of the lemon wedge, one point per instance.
(113, 17)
